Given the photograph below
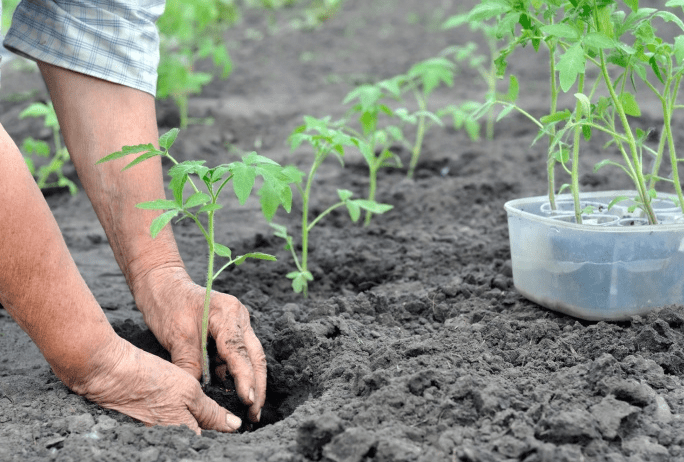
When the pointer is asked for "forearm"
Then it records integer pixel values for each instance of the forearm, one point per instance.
(98, 118)
(40, 285)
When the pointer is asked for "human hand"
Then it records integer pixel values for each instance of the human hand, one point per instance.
(145, 387)
(172, 308)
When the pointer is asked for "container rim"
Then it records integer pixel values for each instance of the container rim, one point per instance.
(512, 207)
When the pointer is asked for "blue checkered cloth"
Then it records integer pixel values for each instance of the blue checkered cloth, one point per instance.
(114, 40)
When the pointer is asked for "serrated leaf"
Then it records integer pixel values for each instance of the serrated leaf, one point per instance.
(126, 150)
(257, 255)
(167, 139)
(141, 158)
(372, 206)
(570, 65)
(488, 10)
(629, 104)
(159, 204)
(584, 103)
(209, 208)
(556, 117)
(197, 199)
(243, 181)
(162, 220)
(221, 250)
(565, 31)
(598, 40)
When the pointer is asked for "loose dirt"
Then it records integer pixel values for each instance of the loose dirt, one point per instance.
(413, 344)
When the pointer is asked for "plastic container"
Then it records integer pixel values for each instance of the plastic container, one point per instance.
(611, 269)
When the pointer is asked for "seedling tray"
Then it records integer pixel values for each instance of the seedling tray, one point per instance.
(611, 267)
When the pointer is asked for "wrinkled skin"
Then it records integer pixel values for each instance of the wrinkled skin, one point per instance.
(43, 291)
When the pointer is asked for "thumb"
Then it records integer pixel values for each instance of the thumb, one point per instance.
(188, 358)
(211, 416)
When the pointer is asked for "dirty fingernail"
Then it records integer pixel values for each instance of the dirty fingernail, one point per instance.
(233, 422)
(251, 394)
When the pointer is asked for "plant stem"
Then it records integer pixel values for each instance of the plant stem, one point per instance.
(639, 176)
(206, 373)
(305, 212)
(551, 161)
(574, 178)
(415, 154)
(667, 115)
(372, 186)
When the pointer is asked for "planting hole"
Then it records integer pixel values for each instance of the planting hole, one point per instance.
(283, 394)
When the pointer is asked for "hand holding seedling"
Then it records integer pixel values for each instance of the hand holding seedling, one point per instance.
(42, 289)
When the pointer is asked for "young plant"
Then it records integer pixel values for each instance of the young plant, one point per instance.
(326, 139)
(53, 169)
(374, 140)
(201, 206)
(190, 31)
(484, 64)
(620, 42)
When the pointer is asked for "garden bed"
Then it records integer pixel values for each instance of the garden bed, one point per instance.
(413, 344)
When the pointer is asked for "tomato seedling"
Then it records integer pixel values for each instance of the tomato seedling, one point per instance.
(274, 192)
(326, 139)
(190, 31)
(619, 41)
(30, 146)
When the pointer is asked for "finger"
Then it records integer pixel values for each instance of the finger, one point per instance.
(231, 347)
(187, 357)
(258, 361)
(210, 415)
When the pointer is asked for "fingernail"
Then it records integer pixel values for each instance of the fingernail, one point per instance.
(259, 417)
(233, 422)
(251, 395)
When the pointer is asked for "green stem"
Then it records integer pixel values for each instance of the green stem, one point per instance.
(640, 182)
(574, 178)
(372, 186)
(551, 161)
(667, 114)
(415, 153)
(324, 213)
(305, 212)
(491, 84)
(206, 373)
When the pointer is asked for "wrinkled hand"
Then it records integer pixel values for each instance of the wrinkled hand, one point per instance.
(172, 307)
(147, 388)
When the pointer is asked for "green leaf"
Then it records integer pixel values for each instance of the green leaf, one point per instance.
(221, 250)
(632, 4)
(177, 185)
(159, 204)
(629, 104)
(556, 117)
(599, 40)
(167, 139)
(488, 10)
(354, 210)
(432, 72)
(344, 194)
(161, 221)
(586, 132)
(299, 280)
(372, 206)
(279, 230)
(126, 150)
(197, 199)
(257, 255)
(209, 208)
(565, 31)
(142, 158)
(243, 180)
(616, 200)
(584, 103)
(570, 65)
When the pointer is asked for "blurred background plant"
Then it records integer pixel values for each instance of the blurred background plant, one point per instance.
(48, 174)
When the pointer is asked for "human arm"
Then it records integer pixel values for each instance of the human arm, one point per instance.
(97, 118)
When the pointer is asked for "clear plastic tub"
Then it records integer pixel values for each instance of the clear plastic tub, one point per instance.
(609, 270)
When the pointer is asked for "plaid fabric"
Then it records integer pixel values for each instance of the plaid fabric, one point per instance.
(114, 40)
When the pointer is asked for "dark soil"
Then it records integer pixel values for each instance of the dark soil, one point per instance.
(413, 344)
